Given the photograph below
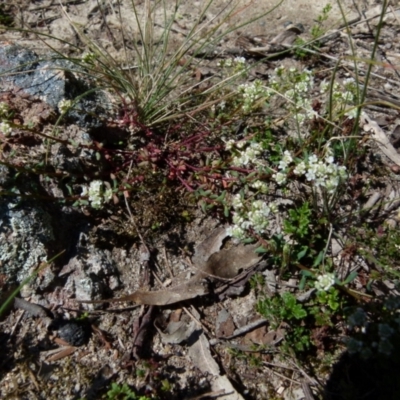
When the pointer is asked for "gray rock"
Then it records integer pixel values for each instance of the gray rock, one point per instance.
(50, 79)
(25, 232)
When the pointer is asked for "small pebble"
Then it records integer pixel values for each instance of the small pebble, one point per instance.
(76, 333)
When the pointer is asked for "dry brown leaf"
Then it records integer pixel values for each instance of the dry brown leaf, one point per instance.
(380, 138)
(209, 262)
(177, 332)
(200, 355)
(227, 263)
(208, 247)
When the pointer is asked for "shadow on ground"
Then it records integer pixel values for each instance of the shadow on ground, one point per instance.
(376, 378)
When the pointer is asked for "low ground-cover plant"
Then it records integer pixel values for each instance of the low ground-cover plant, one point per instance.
(287, 187)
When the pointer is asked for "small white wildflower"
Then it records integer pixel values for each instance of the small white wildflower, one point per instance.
(64, 105)
(329, 159)
(273, 207)
(5, 128)
(300, 168)
(287, 156)
(347, 97)
(351, 113)
(3, 108)
(282, 164)
(88, 58)
(260, 185)
(236, 232)
(262, 207)
(280, 178)
(312, 159)
(241, 144)
(300, 118)
(241, 160)
(222, 105)
(331, 184)
(240, 60)
(349, 81)
(324, 87)
(229, 144)
(96, 194)
(325, 282)
(237, 202)
(310, 174)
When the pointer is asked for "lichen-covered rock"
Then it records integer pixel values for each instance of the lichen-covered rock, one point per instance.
(91, 272)
(50, 79)
(25, 233)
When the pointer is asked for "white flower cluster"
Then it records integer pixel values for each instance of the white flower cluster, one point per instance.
(3, 108)
(5, 128)
(323, 173)
(260, 186)
(88, 58)
(296, 87)
(252, 92)
(246, 155)
(343, 95)
(64, 105)
(325, 282)
(231, 62)
(280, 177)
(96, 193)
(256, 218)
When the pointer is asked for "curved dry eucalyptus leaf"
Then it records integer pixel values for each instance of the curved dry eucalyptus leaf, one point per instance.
(177, 332)
(380, 138)
(171, 296)
(208, 247)
(200, 355)
(186, 291)
(228, 263)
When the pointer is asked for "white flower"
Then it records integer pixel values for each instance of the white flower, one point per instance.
(229, 144)
(5, 128)
(260, 185)
(351, 113)
(280, 178)
(300, 168)
(236, 232)
(325, 282)
(273, 207)
(88, 58)
(64, 105)
(240, 60)
(237, 202)
(241, 144)
(349, 81)
(3, 108)
(96, 193)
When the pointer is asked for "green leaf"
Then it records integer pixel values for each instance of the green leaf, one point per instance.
(221, 197)
(226, 211)
(350, 278)
(302, 283)
(261, 250)
(319, 259)
(302, 253)
(299, 312)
